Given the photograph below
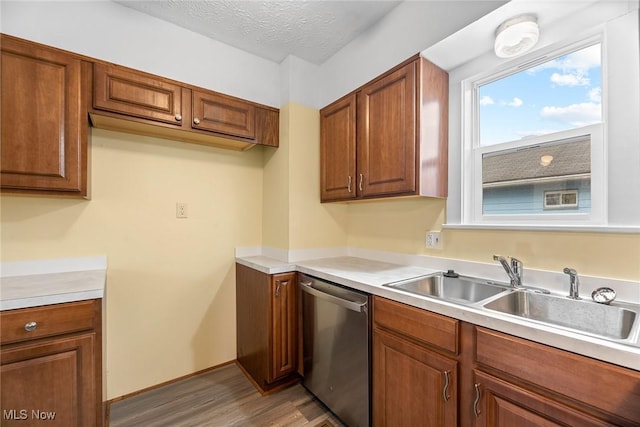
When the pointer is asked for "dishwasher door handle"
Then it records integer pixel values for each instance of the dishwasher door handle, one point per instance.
(351, 305)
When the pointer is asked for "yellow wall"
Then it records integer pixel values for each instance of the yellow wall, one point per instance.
(171, 282)
(400, 226)
(293, 216)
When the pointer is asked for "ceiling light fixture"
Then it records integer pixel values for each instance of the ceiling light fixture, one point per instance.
(516, 36)
(546, 160)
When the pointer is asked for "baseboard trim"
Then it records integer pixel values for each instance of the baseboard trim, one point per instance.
(153, 387)
(276, 386)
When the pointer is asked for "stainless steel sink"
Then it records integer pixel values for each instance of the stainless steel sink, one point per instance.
(460, 289)
(614, 322)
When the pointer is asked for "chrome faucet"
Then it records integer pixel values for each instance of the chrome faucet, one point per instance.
(574, 283)
(514, 270)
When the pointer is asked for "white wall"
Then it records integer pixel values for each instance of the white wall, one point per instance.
(114, 33)
(408, 29)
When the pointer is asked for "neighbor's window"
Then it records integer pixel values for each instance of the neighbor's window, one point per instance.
(536, 154)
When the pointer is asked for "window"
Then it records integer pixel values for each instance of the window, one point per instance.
(567, 199)
(535, 150)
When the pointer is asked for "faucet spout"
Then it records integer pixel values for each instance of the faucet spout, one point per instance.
(574, 283)
(513, 269)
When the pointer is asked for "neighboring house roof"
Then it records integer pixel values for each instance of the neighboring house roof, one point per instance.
(569, 158)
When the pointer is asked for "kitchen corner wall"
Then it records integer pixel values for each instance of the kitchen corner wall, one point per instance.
(293, 218)
(170, 282)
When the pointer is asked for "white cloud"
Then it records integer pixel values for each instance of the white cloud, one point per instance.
(595, 95)
(486, 100)
(579, 62)
(515, 102)
(576, 115)
(573, 79)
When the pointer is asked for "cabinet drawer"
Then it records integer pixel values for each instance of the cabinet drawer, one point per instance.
(601, 385)
(422, 325)
(49, 320)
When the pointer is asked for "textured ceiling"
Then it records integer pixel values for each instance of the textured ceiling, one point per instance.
(309, 29)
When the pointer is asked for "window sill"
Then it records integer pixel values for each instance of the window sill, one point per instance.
(530, 227)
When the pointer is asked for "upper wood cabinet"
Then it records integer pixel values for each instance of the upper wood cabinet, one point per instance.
(137, 102)
(338, 149)
(44, 120)
(136, 94)
(400, 129)
(222, 114)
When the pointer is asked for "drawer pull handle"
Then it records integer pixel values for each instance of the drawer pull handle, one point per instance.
(360, 185)
(280, 283)
(349, 184)
(30, 326)
(476, 409)
(445, 389)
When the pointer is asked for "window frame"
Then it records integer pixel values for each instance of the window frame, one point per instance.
(472, 212)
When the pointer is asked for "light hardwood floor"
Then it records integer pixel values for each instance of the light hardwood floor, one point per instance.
(221, 397)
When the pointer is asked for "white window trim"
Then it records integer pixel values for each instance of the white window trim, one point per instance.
(472, 151)
(621, 46)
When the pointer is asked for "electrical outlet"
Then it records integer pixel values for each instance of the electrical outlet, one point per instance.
(181, 210)
(434, 240)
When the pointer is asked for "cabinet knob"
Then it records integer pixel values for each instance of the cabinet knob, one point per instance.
(30, 326)
(196, 121)
(178, 117)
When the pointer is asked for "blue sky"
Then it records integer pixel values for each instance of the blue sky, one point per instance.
(561, 94)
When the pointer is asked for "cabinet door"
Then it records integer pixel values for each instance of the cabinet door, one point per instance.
(338, 179)
(502, 404)
(51, 381)
(267, 126)
(412, 386)
(222, 114)
(44, 119)
(137, 94)
(387, 137)
(283, 325)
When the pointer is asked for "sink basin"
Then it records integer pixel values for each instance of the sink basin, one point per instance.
(582, 315)
(460, 289)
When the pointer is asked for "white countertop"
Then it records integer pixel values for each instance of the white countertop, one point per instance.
(54, 282)
(266, 265)
(370, 276)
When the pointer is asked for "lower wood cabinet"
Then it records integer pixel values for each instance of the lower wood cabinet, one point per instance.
(562, 387)
(266, 320)
(52, 365)
(414, 383)
(432, 370)
(500, 403)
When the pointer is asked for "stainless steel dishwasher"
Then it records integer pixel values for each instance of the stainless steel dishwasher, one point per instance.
(336, 348)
